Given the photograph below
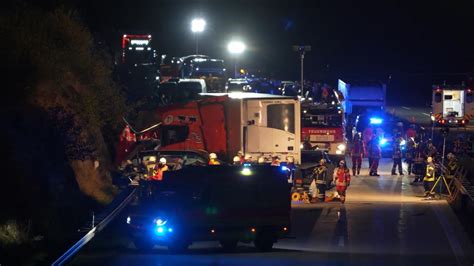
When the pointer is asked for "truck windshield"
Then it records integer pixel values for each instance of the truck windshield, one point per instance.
(320, 119)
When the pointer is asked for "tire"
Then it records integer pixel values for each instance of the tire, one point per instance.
(264, 241)
(143, 244)
(295, 196)
(228, 245)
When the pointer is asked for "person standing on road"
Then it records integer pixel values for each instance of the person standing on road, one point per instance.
(375, 153)
(452, 165)
(410, 154)
(429, 179)
(397, 158)
(320, 176)
(159, 169)
(342, 179)
(213, 159)
(357, 152)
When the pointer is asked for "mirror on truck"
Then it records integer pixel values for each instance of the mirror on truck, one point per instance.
(438, 97)
(469, 96)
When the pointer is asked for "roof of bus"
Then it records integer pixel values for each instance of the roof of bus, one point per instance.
(249, 95)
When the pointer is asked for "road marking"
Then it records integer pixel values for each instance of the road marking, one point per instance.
(456, 247)
(406, 108)
(426, 114)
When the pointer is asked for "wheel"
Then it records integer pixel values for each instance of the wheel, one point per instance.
(143, 244)
(228, 245)
(264, 241)
(295, 196)
(178, 247)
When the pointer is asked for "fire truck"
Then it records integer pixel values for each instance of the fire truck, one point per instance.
(452, 105)
(323, 128)
(136, 49)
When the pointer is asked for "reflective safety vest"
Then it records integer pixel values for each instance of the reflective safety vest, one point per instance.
(320, 174)
(158, 172)
(430, 173)
(342, 176)
(214, 162)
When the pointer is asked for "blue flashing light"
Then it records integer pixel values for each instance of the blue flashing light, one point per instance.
(247, 165)
(376, 121)
(382, 142)
(170, 230)
(160, 230)
(284, 168)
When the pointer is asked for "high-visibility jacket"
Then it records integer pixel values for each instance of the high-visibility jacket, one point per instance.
(214, 162)
(342, 178)
(452, 166)
(430, 173)
(358, 149)
(158, 172)
(320, 174)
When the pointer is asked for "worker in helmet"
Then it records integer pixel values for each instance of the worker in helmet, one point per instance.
(241, 156)
(320, 176)
(342, 179)
(357, 152)
(213, 159)
(159, 169)
(275, 160)
(429, 179)
(452, 166)
(236, 160)
(248, 158)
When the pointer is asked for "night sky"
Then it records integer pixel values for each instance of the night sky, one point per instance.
(417, 43)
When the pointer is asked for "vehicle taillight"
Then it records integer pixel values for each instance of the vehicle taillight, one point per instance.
(442, 121)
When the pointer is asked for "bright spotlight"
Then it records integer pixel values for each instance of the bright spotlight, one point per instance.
(236, 47)
(198, 25)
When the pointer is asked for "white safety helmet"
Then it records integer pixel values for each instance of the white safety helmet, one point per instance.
(163, 160)
(248, 157)
(342, 162)
(322, 161)
(429, 159)
(236, 159)
(261, 159)
(213, 156)
(290, 159)
(152, 159)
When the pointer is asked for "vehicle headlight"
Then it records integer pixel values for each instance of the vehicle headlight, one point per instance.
(341, 147)
(338, 152)
(403, 142)
(301, 146)
(129, 220)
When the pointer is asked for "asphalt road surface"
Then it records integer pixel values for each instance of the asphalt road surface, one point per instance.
(383, 222)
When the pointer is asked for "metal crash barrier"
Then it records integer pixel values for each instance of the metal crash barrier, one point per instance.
(102, 223)
(460, 185)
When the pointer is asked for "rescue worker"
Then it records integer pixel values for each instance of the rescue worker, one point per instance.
(275, 161)
(290, 165)
(261, 160)
(418, 163)
(397, 158)
(320, 176)
(342, 179)
(375, 153)
(357, 152)
(159, 169)
(241, 156)
(410, 154)
(452, 166)
(248, 158)
(430, 150)
(429, 179)
(411, 131)
(213, 159)
(236, 160)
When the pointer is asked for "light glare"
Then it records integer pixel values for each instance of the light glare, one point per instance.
(236, 47)
(198, 25)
